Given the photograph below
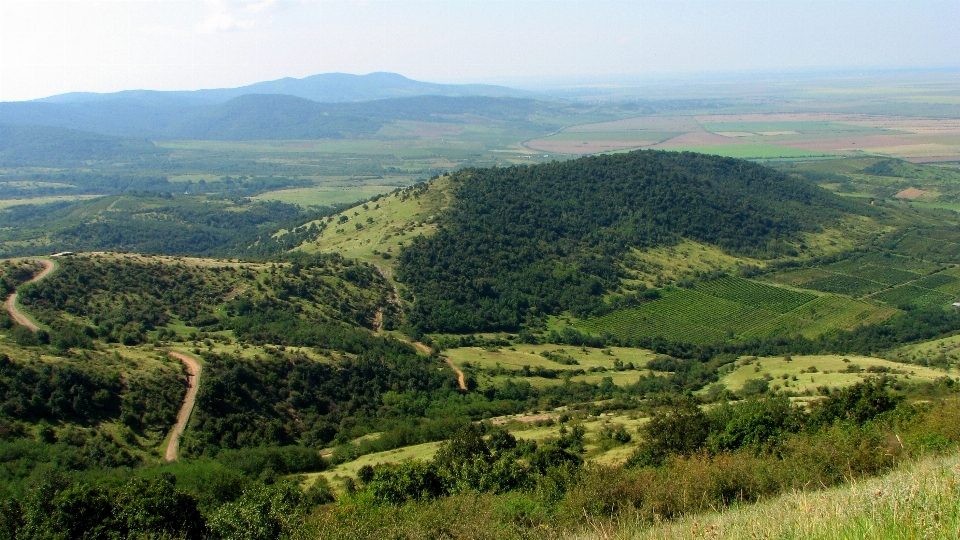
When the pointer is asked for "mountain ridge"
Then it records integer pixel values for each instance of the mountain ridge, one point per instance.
(323, 88)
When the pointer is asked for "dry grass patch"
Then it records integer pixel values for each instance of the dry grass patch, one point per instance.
(918, 501)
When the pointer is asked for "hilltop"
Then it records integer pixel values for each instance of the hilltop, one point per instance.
(526, 241)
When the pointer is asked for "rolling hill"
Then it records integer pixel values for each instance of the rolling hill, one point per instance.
(522, 242)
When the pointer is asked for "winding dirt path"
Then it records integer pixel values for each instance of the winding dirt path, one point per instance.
(193, 368)
(461, 379)
(11, 304)
(378, 324)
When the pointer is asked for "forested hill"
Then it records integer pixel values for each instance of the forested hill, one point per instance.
(523, 241)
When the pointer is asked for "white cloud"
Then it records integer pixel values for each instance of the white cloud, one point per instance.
(227, 15)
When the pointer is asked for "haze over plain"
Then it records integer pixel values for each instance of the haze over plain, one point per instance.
(53, 47)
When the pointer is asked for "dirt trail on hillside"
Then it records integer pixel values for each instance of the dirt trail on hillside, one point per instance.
(11, 303)
(193, 368)
(461, 379)
(378, 325)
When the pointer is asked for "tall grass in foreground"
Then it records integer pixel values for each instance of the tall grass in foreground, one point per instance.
(921, 500)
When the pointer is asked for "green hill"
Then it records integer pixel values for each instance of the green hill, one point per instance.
(522, 242)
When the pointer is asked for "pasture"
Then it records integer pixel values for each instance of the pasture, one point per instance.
(667, 264)
(803, 375)
(324, 196)
(375, 232)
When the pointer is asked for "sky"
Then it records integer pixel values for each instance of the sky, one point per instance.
(49, 47)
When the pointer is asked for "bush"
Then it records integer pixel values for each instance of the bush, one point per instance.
(681, 429)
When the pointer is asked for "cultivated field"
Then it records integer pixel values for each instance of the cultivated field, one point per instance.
(734, 307)
(768, 136)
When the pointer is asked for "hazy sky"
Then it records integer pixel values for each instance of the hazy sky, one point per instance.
(51, 47)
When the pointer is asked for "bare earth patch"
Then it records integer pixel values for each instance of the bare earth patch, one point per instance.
(910, 193)
(702, 138)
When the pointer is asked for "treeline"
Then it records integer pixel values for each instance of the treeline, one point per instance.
(521, 242)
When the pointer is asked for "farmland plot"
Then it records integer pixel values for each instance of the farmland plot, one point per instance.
(714, 311)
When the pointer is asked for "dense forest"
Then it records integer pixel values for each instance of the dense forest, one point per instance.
(525, 241)
(25, 145)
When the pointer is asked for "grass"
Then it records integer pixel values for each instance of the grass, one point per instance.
(7, 203)
(521, 426)
(828, 372)
(943, 350)
(529, 355)
(349, 469)
(385, 225)
(670, 263)
(917, 501)
(323, 196)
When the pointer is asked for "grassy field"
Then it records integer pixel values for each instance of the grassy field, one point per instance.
(324, 196)
(667, 264)
(7, 203)
(517, 356)
(917, 501)
(943, 351)
(349, 469)
(597, 364)
(376, 231)
(535, 427)
(804, 374)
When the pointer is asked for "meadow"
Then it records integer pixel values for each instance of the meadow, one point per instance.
(805, 374)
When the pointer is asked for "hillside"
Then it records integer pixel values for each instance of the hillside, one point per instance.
(522, 242)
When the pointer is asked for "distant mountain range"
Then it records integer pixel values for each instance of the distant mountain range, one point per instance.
(333, 105)
(323, 88)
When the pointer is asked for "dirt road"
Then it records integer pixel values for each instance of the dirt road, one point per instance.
(11, 303)
(461, 379)
(193, 368)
